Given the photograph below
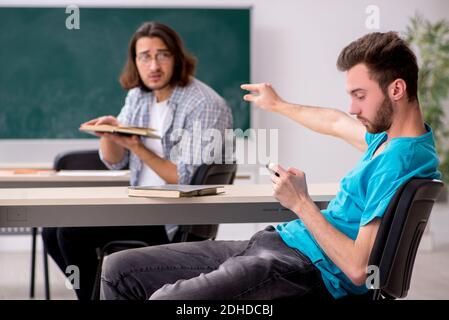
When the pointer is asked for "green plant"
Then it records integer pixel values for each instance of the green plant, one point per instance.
(431, 41)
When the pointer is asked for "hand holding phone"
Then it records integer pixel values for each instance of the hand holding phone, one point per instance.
(270, 167)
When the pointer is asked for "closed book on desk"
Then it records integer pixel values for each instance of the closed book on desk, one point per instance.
(174, 191)
(146, 132)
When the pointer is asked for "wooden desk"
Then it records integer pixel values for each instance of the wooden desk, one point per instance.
(69, 178)
(26, 165)
(111, 206)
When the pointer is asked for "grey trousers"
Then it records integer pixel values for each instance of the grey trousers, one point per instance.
(262, 268)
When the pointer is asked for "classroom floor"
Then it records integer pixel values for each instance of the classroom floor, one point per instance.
(430, 278)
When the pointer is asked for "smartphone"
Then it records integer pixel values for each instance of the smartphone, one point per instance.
(268, 166)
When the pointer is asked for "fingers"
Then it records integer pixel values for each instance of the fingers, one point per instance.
(107, 120)
(275, 188)
(283, 173)
(249, 97)
(254, 86)
(250, 87)
(117, 137)
(110, 136)
(102, 120)
(275, 179)
(123, 140)
(90, 122)
(295, 171)
(280, 170)
(119, 140)
(278, 181)
(134, 138)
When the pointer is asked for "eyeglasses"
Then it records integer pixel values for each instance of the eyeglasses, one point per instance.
(160, 57)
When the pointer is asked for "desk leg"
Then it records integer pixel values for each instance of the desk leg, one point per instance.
(47, 281)
(33, 260)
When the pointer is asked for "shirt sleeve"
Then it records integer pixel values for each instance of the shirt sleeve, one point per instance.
(381, 189)
(124, 118)
(194, 152)
(115, 166)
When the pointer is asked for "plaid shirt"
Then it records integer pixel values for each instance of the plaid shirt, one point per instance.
(189, 106)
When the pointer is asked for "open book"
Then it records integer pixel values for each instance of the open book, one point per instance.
(146, 132)
(174, 191)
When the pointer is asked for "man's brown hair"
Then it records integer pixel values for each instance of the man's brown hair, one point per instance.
(185, 63)
(387, 56)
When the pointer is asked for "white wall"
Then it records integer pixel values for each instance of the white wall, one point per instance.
(294, 45)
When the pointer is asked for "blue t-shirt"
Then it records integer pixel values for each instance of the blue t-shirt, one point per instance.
(364, 194)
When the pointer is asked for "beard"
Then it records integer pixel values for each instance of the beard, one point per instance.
(384, 117)
(158, 86)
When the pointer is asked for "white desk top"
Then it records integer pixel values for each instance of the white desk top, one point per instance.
(111, 206)
(119, 195)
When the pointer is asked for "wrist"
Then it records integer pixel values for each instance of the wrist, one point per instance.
(278, 106)
(301, 204)
(137, 149)
(284, 108)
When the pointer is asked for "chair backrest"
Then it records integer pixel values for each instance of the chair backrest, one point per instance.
(399, 235)
(214, 174)
(78, 160)
(207, 174)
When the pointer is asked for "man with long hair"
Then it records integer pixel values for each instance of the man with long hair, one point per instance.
(163, 95)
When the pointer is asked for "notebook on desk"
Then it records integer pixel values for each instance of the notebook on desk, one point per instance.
(175, 191)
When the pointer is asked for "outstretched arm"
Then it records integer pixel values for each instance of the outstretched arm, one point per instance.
(327, 121)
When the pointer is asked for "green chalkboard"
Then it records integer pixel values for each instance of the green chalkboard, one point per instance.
(52, 78)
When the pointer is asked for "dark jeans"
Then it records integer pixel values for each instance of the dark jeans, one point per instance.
(77, 246)
(262, 268)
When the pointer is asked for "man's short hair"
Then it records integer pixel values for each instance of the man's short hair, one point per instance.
(185, 63)
(387, 56)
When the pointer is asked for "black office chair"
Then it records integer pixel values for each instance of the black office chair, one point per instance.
(398, 238)
(78, 160)
(399, 235)
(71, 160)
(205, 174)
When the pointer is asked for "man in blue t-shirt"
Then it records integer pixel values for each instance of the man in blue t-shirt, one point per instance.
(322, 253)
